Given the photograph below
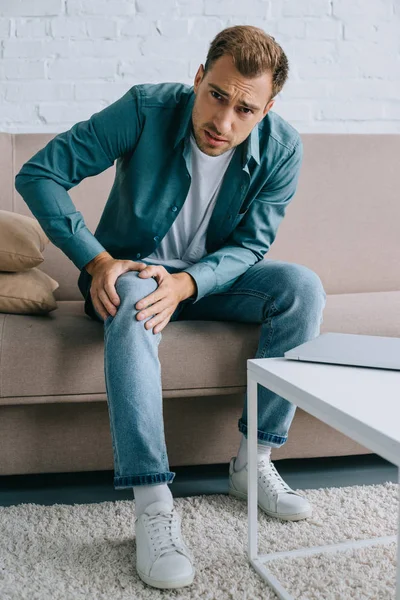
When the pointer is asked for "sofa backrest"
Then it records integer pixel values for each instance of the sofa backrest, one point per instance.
(343, 222)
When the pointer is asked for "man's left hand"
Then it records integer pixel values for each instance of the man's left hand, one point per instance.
(163, 301)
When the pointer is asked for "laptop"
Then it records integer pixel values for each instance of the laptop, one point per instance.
(350, 349)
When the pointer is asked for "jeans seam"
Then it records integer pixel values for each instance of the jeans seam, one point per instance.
(249, 292)
(271, 330)
(107, 324)
(113, 437)
(266, 437)
(123, 481)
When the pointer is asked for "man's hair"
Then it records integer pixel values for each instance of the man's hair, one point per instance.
(254, 53)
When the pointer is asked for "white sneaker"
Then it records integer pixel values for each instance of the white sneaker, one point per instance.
(275, 497)
(162, 558)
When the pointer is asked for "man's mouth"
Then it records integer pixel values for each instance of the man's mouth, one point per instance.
(215, 137)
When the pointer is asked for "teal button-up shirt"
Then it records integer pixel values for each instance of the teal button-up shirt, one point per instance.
(147, 133)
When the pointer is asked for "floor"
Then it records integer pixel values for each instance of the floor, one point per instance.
(89, 487)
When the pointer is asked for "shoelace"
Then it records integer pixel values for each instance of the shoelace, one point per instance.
(164, 535)
(271, 478)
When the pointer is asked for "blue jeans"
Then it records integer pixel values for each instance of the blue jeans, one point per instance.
(286, 299)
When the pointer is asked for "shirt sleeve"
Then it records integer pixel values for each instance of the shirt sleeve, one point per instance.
(87, 149)
(251, 239)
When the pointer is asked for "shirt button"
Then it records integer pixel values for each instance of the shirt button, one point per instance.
(156, 238)
(174, 208)
(138, 255)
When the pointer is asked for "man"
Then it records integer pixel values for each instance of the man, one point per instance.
(204, 175)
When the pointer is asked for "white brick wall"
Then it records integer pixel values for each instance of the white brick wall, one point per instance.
(63, 60)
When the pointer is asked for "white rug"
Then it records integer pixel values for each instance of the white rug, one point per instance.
(87, 551)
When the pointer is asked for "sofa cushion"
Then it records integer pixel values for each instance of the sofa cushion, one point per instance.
(59, 357)
(62, 353)
(27, 292)
(22, 241)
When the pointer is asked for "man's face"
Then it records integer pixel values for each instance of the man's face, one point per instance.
(227, 118)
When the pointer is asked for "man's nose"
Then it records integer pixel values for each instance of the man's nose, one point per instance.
(222, 125)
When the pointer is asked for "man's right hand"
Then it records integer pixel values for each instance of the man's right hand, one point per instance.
(105, 271)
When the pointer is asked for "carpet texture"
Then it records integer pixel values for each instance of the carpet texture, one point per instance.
(87, 551)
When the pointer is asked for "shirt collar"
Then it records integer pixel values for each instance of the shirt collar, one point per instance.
(250, 146)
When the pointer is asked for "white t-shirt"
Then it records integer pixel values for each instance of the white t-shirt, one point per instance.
(185, 241)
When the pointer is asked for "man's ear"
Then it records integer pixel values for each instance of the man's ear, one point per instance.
(270, 105)
(199, 76)
(267, 108)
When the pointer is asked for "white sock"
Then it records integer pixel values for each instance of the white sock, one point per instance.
(241, 458)
(147, 494)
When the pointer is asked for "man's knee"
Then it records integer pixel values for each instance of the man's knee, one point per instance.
(298, 281)
(131, 288)
(306, 278)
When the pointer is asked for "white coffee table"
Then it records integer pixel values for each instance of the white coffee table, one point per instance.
(361, 402)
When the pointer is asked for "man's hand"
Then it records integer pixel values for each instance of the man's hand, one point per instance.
(105, 271)
(163, 301)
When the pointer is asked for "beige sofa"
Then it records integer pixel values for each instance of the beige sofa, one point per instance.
(343, 223)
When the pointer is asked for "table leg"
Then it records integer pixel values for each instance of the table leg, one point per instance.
(398, 545)
(257, 561)
(252, 480)
(252, 491)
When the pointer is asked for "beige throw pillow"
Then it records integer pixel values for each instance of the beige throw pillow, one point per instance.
(27, 292)
(22, 241)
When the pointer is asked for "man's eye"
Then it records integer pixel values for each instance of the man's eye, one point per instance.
(243, 108)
